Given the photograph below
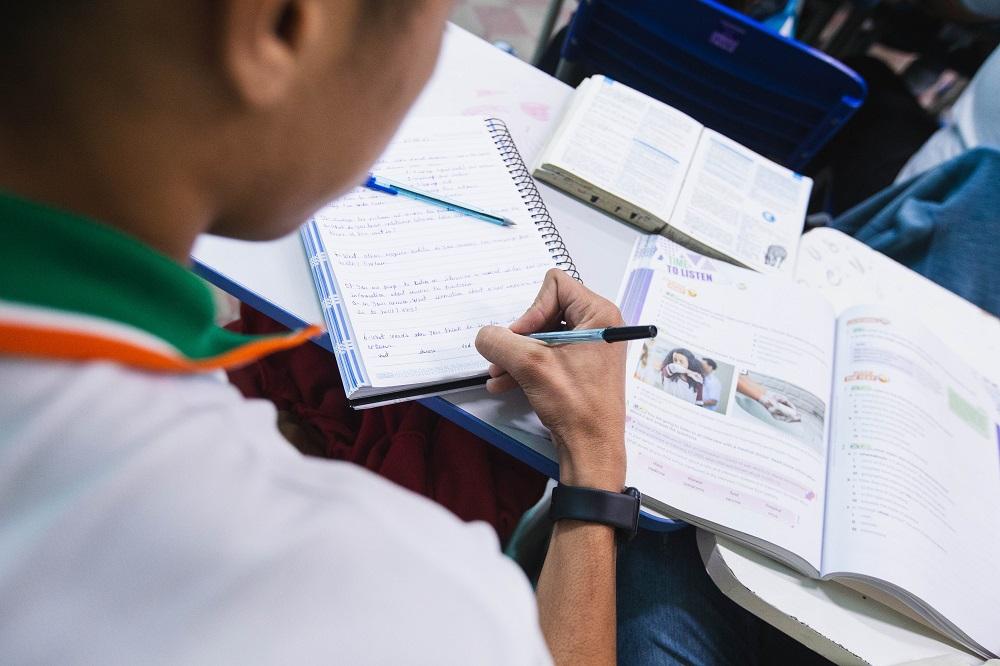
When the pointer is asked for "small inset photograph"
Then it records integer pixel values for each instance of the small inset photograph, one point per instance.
(775, 255)
(783, 406)
(686, 374)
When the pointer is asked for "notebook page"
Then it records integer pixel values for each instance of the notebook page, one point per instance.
(419, 281)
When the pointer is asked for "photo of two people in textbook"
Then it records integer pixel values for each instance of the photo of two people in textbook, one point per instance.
(785, 410)
(683, 374)
(703, 381)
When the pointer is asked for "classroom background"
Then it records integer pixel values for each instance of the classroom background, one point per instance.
(513, 22)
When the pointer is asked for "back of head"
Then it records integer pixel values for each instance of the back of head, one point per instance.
(247, 115)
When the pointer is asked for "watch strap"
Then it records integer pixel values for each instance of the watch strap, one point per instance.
(619, 510)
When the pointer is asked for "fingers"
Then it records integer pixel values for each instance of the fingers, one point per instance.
(514, 356)
(780, 407)
(508, 350)
(501, 384)
(563, 298)
(500, 380)
(547, 310)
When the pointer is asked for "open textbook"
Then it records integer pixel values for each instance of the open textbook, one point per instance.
(855, 447)
(659, 169)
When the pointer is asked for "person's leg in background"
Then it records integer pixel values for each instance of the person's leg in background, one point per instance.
(670, 611)
(873, 146)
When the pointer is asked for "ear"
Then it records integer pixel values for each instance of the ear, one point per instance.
(266, 44)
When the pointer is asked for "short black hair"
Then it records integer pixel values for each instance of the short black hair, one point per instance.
(710, 362)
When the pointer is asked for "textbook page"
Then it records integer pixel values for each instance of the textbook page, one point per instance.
(744, 445)
(914, 476)
(847, 273)
(419, 281)
(625, 143)
(743, 205)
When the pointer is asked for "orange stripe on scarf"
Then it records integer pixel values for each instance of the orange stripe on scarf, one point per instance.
(26, 340)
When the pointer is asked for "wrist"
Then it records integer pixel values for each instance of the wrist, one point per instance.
(604, 471)
(618, 509)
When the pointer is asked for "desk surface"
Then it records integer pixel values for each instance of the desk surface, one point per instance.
(474, 78)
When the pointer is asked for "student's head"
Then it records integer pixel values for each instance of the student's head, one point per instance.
(684, 358)
(263, 109)
(708, 366)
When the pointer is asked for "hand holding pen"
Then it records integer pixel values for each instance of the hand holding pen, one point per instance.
(577, 390)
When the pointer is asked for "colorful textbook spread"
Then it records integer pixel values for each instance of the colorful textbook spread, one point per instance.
(850, 445)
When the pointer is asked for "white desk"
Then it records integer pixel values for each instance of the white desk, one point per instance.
(475, 78)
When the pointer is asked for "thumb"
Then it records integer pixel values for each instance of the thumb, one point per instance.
(506, 349)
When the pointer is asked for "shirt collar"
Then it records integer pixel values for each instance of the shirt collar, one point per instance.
(74, 289)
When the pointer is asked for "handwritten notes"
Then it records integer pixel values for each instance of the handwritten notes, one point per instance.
(417, 281)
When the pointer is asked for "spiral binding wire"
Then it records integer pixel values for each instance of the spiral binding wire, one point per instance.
(529, 192)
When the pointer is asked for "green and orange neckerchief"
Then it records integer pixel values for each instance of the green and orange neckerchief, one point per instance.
(73, 289)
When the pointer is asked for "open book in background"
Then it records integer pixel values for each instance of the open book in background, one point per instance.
(405, 286)
(662, 171)
(852, 445)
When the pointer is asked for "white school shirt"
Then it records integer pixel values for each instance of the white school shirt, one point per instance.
(162, 519)
(711, 390)
(680, 389)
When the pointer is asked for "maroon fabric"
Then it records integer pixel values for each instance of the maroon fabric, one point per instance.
(406, 443)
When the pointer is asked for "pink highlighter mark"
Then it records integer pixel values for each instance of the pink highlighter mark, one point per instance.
(536, 110)
(722, 492)
(483, 110)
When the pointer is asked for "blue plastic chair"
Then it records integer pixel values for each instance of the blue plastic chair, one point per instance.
(772, 94)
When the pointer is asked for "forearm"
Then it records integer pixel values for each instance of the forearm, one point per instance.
(749, 388)
(576, 593)
(578, 392)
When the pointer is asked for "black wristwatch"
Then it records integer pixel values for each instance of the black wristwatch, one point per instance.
(619, 510)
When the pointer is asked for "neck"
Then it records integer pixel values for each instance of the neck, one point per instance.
(125, 181)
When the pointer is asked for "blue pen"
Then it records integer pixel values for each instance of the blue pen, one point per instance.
(380, 184)
(610, 334)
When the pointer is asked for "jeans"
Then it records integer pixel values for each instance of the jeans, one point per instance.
(670, 611)
(942, 224)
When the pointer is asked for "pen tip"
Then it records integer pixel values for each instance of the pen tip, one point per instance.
(507, 222)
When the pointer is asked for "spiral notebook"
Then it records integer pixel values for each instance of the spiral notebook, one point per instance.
(405, 286)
